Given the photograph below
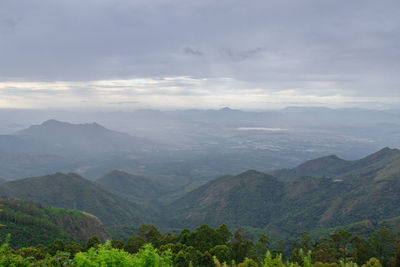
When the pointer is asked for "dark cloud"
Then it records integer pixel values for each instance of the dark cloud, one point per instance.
(241, 55)
(193, 52)
(317, 47)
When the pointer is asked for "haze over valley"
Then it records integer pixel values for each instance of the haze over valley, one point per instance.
(175, 133)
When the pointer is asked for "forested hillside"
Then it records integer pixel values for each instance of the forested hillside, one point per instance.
(31, 224)
(74, 192)
(209, 247)
(366, 191)
(359, 196)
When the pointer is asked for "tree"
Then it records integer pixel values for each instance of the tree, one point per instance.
(224, 234)
(241, 246)
(57, 245)
(383, 243)
(373, 262)
(72, 248)
(117, 244)
(150, 234)
(94, 241)
(262, 246)
(222, 252)
(133, 244)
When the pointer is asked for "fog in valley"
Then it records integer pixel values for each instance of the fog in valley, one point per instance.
(190, 146)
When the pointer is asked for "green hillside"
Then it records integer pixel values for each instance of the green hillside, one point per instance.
(74, 192)
(332, 166)
(369, 191)
(247, 199)
(30, 223)
(135, 187)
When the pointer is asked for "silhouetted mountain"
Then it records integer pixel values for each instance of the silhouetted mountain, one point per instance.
(91, 138)
(74, 192)
(55, 146)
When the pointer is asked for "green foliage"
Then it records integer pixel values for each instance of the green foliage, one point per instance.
(134, 244)
(106, 255)
(373, 262)
(92, 242)
(340, 249)
(72, 191)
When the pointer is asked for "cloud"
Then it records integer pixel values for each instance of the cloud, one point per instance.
(178, 92)
(193, 52)
(317, 48)
(7, 25)
(241, 55)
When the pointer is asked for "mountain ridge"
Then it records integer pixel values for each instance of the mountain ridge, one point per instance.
(303, 203)
(74, 192)
(333, 166)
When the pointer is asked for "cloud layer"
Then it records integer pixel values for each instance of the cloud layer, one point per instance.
(318, 52)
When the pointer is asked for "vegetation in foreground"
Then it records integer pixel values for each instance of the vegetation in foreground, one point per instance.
(206, 246)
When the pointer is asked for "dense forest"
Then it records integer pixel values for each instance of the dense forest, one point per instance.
(206, 246)
(324, 212)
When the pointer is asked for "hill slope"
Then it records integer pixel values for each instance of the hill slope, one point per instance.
(368, 191)
(31, 224)
(74, 192)
(332, 166)
(246, 199)
(135, 187)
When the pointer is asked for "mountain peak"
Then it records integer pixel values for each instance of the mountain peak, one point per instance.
(52, 125)
(319, 163)
(52, 122)
(384, 154)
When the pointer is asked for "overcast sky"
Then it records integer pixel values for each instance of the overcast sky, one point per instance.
(202, 54)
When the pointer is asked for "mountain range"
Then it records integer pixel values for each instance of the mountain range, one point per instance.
(342, 192)
(324, 193)
(54, 146)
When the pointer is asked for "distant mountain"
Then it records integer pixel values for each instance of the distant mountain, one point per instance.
(2, 180)
(135, 187)
(74, 192)
(55, 146)
(332, 166)
(90, 138)
(366, 189)
(31, 224)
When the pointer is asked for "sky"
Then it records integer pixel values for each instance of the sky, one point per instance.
(131, 54)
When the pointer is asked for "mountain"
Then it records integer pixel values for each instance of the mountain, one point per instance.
(132, 186)
(368, 190)
(332, 166)
(247, 199)
(89, 138)
(31, 224)
(2, 180)
(74, 192)
(55, 146)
